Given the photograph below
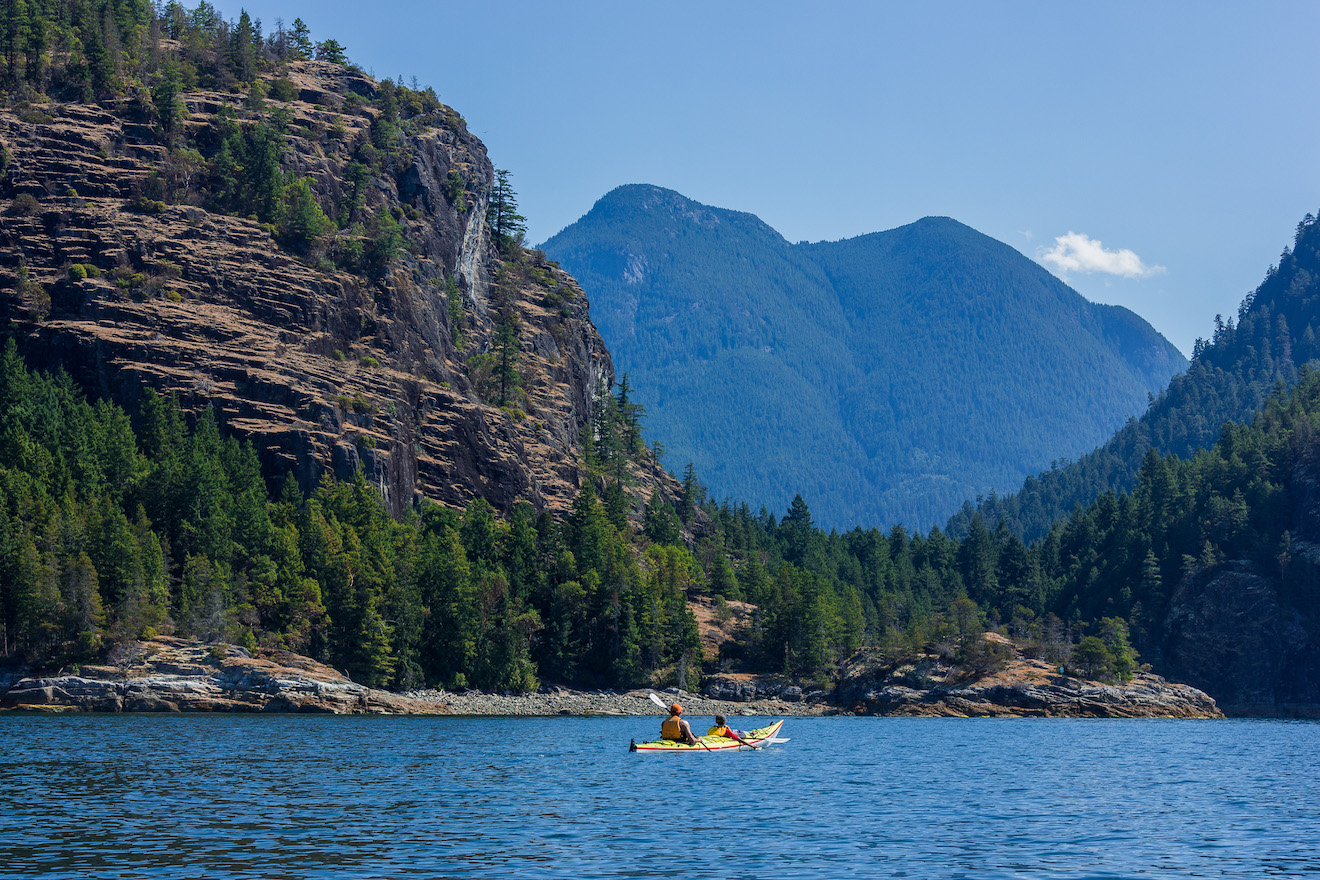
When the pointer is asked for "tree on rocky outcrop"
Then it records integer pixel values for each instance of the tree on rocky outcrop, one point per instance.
(170, 110)
(660, 524)
(385, 124)
(384, 240)
(332, 51)
(966, 620)
(508, 353)
(301, 220)
(243, 45)
(1092, 658)
(1113, 631)
(300, 40)
(630, 417)
(693, 494)
(502, 215)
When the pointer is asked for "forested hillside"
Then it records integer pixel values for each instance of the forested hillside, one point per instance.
(886, 378)
(115, 526)
(1229, 378)
(276, 274)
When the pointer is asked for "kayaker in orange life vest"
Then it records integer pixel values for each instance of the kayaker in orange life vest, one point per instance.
(676, 728)
(722, 728)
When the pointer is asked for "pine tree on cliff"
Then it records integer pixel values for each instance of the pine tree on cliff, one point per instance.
(502, 212)
(332, 51)
(300, 39)
(630, 414)
(693, 494)
(506, 367)
(242, 53)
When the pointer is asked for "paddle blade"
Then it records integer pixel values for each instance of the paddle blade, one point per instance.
(659, 702)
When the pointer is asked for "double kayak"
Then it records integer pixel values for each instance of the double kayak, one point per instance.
(710, 743)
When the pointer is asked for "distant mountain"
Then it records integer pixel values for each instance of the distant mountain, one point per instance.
(885, 378)
(1229, 380)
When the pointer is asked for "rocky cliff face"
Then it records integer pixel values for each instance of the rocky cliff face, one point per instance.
(1247, 639)
(321, 369)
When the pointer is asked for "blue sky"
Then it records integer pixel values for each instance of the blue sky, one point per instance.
(1155, 155)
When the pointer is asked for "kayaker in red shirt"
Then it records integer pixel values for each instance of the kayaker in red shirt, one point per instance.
(676, 728)
(722, 728)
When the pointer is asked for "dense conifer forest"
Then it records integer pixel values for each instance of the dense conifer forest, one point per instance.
(91, 50)
(116, 526)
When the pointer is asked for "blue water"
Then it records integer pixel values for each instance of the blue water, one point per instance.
(283, 796)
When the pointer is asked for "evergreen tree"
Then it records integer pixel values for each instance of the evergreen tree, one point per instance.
(509, 353)
(300, 217)
(330, 50)
(242, 50)
(692, 494)
(300, 40)
(660, 524)
(502, 212)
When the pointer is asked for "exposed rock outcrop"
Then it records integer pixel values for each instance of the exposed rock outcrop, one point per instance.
(752, 688)
(177, 675)
(871, 685)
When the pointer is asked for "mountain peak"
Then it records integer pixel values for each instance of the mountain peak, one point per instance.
(838, 369)
(666, 209)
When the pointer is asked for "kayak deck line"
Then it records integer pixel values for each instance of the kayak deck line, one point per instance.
(710, 743)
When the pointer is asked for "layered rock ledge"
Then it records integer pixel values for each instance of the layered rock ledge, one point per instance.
(1023, 687)
(177, 675)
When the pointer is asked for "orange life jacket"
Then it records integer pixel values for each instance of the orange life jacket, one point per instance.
(670, 728)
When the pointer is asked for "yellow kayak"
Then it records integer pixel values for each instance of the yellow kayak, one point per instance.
(710, 743)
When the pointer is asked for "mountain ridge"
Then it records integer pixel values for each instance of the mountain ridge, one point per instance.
(815, 367)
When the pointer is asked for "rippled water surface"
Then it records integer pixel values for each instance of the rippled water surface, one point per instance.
(247, 797)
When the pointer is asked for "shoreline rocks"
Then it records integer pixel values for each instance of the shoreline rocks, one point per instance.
(179, 675)
(1022, 688)
(561, 701)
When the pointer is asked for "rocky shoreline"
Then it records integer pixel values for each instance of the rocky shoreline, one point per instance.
(177, 675)
(561, 701)
(1023, 687)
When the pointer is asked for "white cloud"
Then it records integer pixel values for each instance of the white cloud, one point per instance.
(1078, 252)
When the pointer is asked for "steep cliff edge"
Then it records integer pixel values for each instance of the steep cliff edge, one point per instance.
(322, 362)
